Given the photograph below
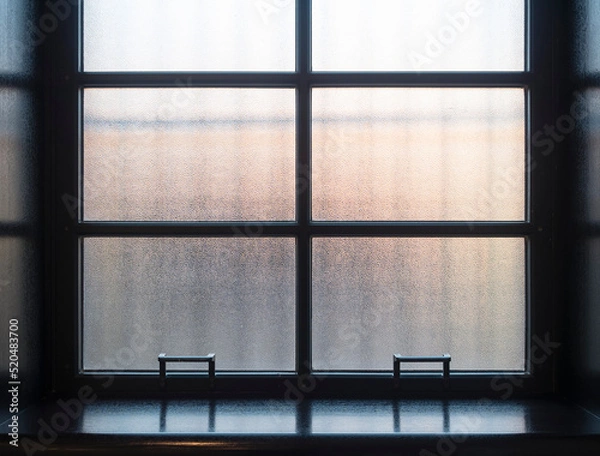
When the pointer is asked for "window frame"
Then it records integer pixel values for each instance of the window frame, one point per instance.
(64, 114)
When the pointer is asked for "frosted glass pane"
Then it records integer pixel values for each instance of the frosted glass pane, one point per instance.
(418, 35)
(372, 298)
(418, 154)
(188, 35)
(17, 162)
(189, 154)
(233, 297)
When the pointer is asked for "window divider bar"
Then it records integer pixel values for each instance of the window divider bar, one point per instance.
(305, 76)
(427, 79)
(407, 229)
(20, 81)
(303, 172)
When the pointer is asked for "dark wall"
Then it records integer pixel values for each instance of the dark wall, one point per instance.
(21, 255)
(581, 371)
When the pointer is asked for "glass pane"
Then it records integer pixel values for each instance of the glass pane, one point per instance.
(423, 35)
(188, 35)
(189, 154)
(418, 154)
(372, 298)
(233, 297)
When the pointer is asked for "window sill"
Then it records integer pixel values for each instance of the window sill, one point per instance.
(421, 427)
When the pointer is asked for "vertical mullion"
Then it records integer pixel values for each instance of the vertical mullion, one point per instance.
(542, 171)
(62, 117)
(528, 39)
(303, 173)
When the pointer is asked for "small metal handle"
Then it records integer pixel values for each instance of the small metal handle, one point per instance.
(163, 359)
(445, 359)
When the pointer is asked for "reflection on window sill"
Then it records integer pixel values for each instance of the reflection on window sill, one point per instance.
(316, 417)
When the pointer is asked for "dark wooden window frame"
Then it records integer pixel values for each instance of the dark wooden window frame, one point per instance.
(64, 85)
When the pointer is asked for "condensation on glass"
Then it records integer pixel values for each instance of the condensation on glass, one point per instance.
(188, 35)
(187, 296)
(452, 154)
(189, 154)
(423, 35)
(418, 296)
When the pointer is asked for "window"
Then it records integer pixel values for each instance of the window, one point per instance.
(305, 188)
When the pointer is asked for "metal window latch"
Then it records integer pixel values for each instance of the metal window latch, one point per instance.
(163, 359)
(445, 359)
